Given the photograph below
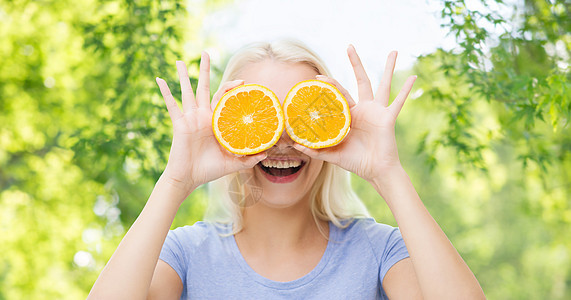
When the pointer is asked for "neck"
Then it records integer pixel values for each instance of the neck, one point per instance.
(292, 227)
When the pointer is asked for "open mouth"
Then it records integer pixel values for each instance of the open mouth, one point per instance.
(281, 169)
(281, 172)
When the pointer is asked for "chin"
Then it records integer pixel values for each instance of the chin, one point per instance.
(280, 201)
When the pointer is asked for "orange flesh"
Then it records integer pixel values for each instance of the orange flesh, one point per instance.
(248, 120)
(319, 116)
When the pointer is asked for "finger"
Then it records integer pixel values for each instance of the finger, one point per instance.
(313, 153)
(172, 107)
(343, 91)
(241, 162)
(249, 161)
(384, 90)
(228, 85)
(396, 106)
(188, 101)
(363, 82)
(203, 89)
(328, 154)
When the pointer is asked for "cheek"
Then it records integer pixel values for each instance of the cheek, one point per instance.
(314, 170)
(241, 189)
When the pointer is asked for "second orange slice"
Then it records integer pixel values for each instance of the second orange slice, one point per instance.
(316, 114)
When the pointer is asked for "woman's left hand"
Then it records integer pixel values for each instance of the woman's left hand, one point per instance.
(370, 149)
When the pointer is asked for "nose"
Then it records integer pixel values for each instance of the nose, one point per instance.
(285, 140)
(283, 143)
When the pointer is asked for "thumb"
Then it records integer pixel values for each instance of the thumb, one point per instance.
(250, 161)
(321, 154)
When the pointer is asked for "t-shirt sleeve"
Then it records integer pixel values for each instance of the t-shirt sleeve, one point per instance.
(387, 245)
(395, 251)
(173, 254)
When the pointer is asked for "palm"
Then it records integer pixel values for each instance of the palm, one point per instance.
(370, 147)
(196, 157)
(371, 136)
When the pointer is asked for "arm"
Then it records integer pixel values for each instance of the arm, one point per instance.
(129, 272)
(166, 283)
(370, 151)
(195, 158)
(401, 282)
(440, 271)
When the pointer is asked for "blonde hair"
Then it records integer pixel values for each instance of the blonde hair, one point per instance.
(332, 197)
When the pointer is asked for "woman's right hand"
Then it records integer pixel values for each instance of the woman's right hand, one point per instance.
(196, 157)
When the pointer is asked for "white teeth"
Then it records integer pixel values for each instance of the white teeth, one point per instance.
(281, 164)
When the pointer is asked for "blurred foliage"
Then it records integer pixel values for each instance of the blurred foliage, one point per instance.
(514, 56)
(497, 113)
(84, 135)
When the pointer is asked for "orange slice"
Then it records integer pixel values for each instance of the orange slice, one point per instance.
(248, 119)
(316, 114)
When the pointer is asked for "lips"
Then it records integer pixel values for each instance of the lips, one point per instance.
(281, 169)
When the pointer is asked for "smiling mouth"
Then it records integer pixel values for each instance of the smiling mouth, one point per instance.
(280, 169)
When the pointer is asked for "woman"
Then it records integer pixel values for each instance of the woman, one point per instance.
(305, 238)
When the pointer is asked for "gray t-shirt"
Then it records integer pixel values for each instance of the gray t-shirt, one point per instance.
(353, 266)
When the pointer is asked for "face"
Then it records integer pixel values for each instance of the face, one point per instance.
(286, 175)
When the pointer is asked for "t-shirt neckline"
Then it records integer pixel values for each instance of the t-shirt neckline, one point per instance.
(288, 284)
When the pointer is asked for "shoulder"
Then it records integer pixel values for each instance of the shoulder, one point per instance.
(192, 236)
(369, 228)
(379, 237)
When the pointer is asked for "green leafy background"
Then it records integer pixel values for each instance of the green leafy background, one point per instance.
(84, 135)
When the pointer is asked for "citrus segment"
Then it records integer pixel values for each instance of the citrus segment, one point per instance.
(248, 119)
(316, 114)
